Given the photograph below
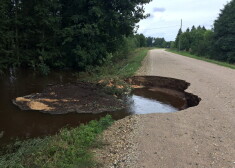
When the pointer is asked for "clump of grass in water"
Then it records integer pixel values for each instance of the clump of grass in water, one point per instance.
(69, 148)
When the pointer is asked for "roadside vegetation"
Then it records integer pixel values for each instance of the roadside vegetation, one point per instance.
(112, 75)
(69, 148)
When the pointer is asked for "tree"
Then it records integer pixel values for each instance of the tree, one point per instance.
(65, 33)
(199, 28)
(224, 34)
(185, 39)
(177, 40)
(149, 41)
(6, 36)
(193, 28)
(172, 44)
(160, 42)
(93, 29)
(198, 41)
(188, 30)
(141, 40)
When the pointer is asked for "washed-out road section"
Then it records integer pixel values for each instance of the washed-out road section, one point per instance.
(202, 136)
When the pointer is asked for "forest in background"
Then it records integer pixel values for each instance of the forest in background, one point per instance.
(75, 34)
(217, 44)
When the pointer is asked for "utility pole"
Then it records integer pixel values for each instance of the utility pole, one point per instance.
(179, 35)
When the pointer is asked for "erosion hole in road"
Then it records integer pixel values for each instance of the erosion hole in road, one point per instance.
(154, 94)
(65, 96)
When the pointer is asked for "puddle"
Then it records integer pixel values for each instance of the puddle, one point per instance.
(145, 101)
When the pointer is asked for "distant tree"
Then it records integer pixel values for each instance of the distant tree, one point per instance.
(185, 39)
(177, 40)
(193, 28)
(149, 41)
(207, 43)
(172, 44)
(224, 34)
(160, 42)
(142, 42)
(199, 28)
(188, 30)
(198, 41)
(217, 43)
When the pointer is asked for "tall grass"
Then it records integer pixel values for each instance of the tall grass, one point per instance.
(69, 148)
(115, 72)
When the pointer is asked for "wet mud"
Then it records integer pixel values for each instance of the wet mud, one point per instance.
(81, 98)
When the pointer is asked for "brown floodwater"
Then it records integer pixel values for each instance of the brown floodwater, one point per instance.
(15, 123)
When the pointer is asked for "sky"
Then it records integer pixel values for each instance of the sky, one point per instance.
(166, 15)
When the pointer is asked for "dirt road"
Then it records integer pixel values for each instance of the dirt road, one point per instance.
(202, 136)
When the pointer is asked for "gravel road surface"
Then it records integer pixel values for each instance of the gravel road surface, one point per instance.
(198, 137)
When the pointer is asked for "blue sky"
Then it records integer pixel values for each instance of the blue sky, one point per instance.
(165, 16)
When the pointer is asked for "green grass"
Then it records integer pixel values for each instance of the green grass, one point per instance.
(67, 149)
(184, 53)
(116, 72)
(118, 68)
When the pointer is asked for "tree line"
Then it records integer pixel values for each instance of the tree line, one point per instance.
(152, 41)
(65, 33)
(217, 43)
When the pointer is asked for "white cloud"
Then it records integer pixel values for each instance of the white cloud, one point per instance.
(166, 15)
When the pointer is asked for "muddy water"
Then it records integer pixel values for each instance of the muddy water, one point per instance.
(144, 101)
(27, 124)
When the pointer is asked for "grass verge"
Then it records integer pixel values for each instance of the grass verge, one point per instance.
(184, 53)
(69, 148)
(113, 73)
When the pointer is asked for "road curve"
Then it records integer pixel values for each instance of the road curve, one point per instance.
(198, 137)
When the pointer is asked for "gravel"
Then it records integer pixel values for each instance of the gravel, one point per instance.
(120, 149)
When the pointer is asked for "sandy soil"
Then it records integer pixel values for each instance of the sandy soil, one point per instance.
(198, 137)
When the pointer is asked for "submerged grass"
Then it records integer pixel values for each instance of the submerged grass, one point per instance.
(187, 54)
(69, 148)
